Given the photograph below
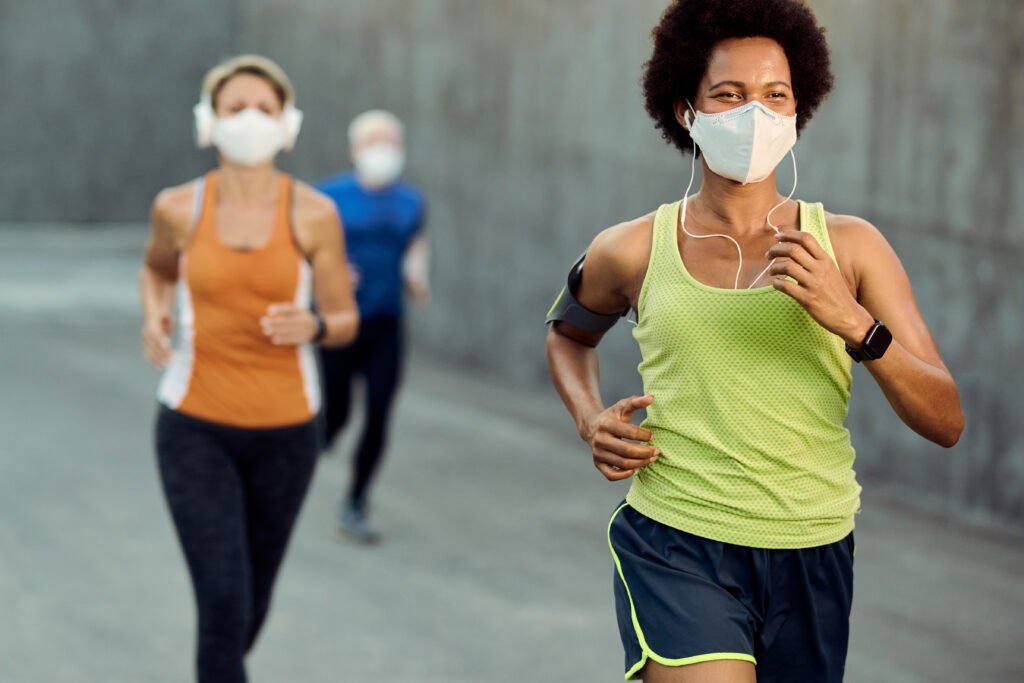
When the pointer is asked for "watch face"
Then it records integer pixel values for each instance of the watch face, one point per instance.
(877, 341)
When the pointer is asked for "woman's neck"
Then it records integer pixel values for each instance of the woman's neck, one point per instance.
(740, 208)
(247, 185)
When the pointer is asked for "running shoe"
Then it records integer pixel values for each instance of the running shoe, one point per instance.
(354, 525)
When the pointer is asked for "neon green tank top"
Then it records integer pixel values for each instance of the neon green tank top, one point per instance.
(750, 399)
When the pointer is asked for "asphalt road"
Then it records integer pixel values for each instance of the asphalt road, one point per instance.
(494, 566)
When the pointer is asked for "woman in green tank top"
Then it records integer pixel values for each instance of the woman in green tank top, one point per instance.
(734, 546)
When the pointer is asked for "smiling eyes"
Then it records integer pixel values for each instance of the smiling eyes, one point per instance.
(736, 97)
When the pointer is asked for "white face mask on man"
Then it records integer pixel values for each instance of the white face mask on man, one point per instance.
(744, 144)
(250, 137)
(380, 164)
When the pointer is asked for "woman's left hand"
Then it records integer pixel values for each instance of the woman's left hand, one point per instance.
(817, 285)
(288, 325)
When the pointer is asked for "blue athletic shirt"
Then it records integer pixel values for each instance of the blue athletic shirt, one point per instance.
(379, 225)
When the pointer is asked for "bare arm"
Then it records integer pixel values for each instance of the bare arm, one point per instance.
(608, 285)
(331, 284)
(169, 222)
(318, 231)
(415, 269)
(911, 374)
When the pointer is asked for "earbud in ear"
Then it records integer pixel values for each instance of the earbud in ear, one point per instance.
(689, 116)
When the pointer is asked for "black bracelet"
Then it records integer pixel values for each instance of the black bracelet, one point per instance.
(321, 330)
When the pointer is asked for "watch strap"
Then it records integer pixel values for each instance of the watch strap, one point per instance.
(321, 329)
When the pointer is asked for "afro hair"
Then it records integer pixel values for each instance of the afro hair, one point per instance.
(689, 30)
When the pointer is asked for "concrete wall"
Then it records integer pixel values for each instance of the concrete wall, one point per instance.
(928, 122)
(524, 151)
(97, 92)
(528, 135)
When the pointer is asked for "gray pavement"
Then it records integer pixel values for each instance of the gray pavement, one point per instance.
(494, 566)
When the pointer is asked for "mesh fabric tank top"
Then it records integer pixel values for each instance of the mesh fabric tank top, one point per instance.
(224, 369)
(750, 399)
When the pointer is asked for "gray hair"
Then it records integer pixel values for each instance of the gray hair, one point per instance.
(372, 120)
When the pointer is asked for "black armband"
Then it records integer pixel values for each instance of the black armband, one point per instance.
(568, 309)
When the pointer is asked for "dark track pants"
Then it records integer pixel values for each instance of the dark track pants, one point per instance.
(377, 356)
(234, 495)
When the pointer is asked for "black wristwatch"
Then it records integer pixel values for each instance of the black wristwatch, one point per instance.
(876, 341)
(321, 330)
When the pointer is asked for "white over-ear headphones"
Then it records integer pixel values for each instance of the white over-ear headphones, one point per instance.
(205, 117)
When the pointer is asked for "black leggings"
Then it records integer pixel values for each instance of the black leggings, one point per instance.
(377, 355)
(234, 495)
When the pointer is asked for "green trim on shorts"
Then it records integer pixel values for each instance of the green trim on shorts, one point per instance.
(634, 671)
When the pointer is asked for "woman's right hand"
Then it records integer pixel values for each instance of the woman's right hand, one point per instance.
(611, 437)
(156, 340)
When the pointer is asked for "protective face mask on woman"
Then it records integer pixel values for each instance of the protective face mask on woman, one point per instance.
(379, 165)
(743, 144)
(250, 137)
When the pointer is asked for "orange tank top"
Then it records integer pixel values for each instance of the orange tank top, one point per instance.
(224, 369)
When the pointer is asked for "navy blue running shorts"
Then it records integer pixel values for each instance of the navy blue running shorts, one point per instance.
(683, 599)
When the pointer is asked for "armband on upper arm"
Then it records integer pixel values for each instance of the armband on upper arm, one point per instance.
(567, 307)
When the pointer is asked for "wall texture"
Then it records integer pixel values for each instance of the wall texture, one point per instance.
(98, 98)
(528, 136)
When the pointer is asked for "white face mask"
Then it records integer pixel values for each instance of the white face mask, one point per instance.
(379, 165)
(743, 144)
(250, 137)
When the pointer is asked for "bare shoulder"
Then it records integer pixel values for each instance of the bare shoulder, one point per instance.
(317, 224)
(175, 205)
(314, 207)
(171, 217)
(859, 245)
(170, 222)
(617, 258)
(851, 230)
(624, 247)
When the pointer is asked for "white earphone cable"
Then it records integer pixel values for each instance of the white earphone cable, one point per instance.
(739, 250)
(768, 219)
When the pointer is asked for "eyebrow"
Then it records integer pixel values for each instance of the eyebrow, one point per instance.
(738, 84)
